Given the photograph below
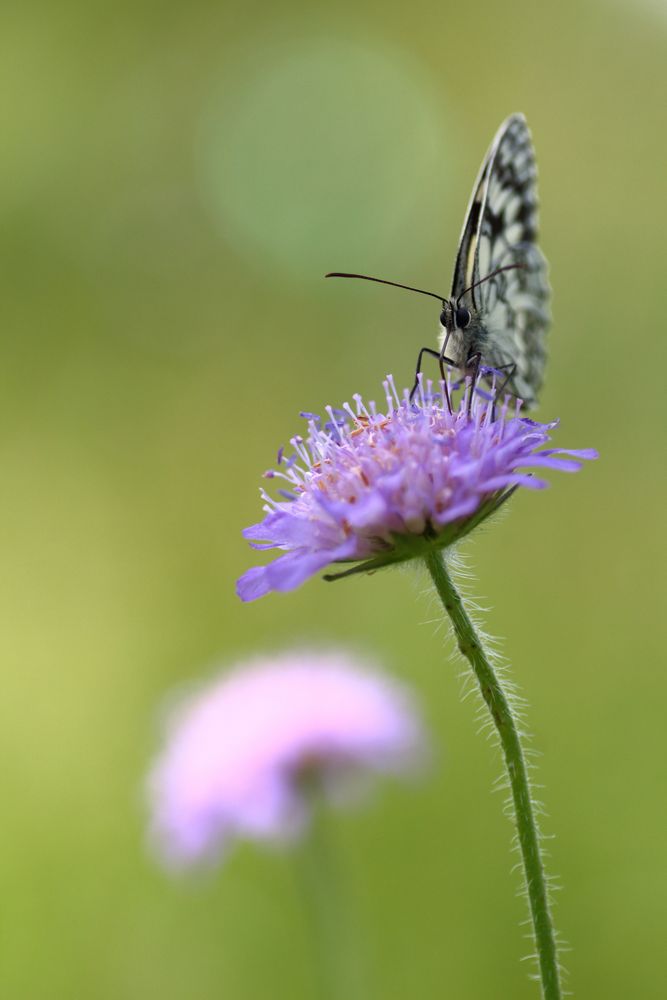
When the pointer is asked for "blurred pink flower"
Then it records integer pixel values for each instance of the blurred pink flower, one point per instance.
(243, 754)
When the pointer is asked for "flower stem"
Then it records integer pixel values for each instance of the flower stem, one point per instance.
(330, 923)
(524, 814)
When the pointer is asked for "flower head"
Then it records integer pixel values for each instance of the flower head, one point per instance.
(243, 755)
(382, 486)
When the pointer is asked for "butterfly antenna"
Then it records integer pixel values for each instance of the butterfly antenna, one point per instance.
(498, 270)
(382, 281)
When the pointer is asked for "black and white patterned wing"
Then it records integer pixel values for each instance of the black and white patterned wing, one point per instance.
(501, 228)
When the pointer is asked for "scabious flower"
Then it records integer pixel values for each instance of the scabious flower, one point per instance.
(243, 756)
(381, 487)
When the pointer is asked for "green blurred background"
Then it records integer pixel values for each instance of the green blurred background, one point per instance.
(174, 182)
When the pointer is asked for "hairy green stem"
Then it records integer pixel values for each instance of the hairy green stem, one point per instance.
(524, 814)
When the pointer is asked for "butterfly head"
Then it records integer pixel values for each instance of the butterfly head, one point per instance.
(454, 316)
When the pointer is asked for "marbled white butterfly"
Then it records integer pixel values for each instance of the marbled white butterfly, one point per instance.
(498, 312)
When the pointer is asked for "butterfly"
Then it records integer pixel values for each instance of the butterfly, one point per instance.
(496, 318)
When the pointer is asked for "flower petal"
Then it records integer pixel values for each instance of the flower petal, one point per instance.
(253, 584)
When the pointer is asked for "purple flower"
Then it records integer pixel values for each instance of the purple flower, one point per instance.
(382, 487)
(244, 754)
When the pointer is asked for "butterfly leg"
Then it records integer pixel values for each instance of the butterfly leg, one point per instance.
(510, 369)
(442, 361)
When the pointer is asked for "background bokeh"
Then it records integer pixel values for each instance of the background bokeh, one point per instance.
(174, 182)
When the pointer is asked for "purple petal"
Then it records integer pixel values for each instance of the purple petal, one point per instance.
(369, 510)
(586, 453)
(282, 528)
(495, 483)
(253, 584)
(458, 510)
(291, 570)
(546, 461)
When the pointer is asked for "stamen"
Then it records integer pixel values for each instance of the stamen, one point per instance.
(429, 392)
(392, 386)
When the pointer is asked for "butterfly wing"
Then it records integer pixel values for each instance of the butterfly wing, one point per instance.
(500, 228)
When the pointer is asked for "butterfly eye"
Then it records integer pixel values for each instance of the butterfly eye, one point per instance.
(462, 317)
(443, 319)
